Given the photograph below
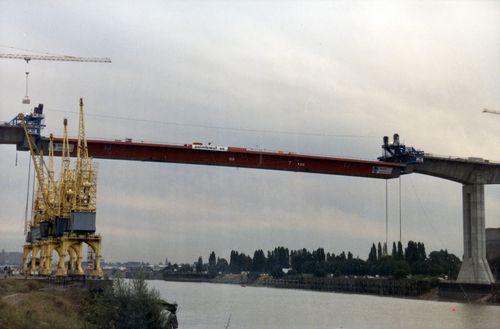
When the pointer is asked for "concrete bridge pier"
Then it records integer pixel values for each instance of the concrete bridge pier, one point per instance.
(475, 268)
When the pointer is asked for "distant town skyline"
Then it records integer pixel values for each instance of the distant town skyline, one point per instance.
(422, 69)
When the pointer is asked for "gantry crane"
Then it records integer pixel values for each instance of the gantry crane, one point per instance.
(59, 58)
(64, 210)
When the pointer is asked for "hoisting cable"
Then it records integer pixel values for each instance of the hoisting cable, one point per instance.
(27, 199)
(386, 217)
(400, 212)
(26, 99)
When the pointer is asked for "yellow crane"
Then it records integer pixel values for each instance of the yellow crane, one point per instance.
(67, 178)
(43, 175)
(59, 58)
(86, 176)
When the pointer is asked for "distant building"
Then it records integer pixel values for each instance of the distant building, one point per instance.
(493, 250)
(11, 258)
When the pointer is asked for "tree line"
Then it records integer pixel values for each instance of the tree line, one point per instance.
(399, 263)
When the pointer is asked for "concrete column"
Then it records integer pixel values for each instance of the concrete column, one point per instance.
(475, 268)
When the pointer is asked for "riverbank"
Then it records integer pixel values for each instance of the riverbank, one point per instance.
(78, 303)
(424, 289)
(33, 304)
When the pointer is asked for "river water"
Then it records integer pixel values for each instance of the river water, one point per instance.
(209, 305)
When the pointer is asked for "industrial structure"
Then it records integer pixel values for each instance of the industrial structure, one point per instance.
(64, 209)
(58, 58)
(397, 159)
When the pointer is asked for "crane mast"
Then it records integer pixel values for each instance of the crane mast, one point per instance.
(85, 182)
(67, 178)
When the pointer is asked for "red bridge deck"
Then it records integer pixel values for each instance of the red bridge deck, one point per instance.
(233, 157)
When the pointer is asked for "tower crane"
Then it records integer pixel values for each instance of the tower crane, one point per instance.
(490, 111)
(60, 58)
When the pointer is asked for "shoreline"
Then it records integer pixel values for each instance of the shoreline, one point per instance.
(430, 293)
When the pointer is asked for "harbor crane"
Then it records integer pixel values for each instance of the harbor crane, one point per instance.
(59, 58)
(490, 111)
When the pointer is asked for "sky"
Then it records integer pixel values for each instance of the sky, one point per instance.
(360, 70)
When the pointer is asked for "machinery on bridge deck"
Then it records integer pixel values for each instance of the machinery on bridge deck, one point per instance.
(34, 121)
(400, 153)
(64, 210)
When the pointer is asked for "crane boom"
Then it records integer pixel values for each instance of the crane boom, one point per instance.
(61, 58)
(28, 57)
(490, 111)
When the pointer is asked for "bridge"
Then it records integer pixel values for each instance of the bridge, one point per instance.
(472, 173)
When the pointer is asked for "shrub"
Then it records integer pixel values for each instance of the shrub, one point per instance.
(128, 305)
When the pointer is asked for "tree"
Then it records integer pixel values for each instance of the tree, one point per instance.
(394, 251)
(372, 256)
(212, 263)
(234, 266)
(443, 263)
(319, 255)
(401, 254)
(199, 265)
(222, 265)
(379, 252)
(259, 261)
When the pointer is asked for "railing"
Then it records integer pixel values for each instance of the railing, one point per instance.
(462, 159)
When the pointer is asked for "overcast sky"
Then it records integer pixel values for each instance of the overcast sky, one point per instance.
(422, 69)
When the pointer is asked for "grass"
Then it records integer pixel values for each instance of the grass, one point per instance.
(11, 286)
(30, 304)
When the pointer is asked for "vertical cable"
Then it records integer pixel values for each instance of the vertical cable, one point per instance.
(27, 199)
(33, 197)
(27, 73)
(400, 212)
(386, 215)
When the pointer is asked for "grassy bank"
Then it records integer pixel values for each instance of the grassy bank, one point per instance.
(27, 304)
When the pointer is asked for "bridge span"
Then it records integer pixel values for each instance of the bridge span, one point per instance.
(472, 173)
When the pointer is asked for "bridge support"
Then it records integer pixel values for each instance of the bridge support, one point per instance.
(475, 268)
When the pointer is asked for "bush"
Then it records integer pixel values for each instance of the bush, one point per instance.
(128, 305)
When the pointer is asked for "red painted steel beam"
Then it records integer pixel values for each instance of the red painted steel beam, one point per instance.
(233, 157)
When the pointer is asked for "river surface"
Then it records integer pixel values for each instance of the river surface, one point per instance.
(209, 305)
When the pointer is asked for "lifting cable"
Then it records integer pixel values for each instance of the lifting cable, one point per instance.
(27, 74)
(400, 213)
(27, 199)
(386, 218)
